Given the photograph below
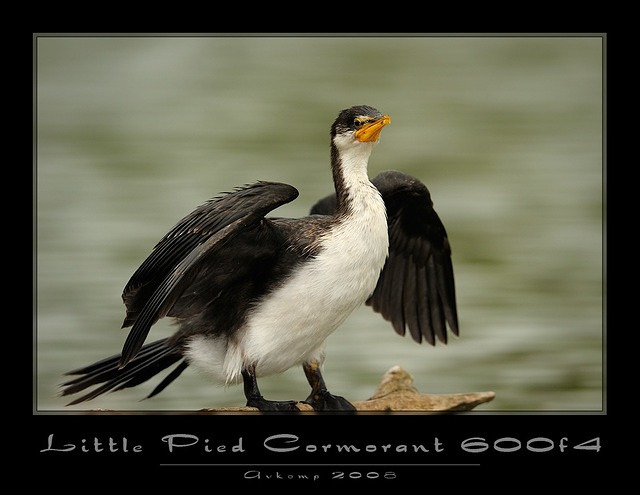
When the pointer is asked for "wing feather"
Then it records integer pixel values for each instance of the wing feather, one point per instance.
(177, 259)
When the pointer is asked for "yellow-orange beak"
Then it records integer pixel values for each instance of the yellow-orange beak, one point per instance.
(371, 131)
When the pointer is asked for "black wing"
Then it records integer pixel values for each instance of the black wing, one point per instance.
(177, 259)
(416, 288)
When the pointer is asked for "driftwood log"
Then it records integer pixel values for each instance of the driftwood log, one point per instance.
(395, 393)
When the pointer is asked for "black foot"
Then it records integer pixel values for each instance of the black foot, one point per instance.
(324, 401)
(265, 405)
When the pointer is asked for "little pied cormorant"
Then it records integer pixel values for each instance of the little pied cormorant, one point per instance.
(256, 295)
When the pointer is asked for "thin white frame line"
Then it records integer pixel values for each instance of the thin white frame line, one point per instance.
(313, 465)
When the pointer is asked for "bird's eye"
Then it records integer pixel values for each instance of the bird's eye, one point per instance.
(359, 122)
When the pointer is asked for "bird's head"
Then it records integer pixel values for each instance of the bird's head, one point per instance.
(359, 124)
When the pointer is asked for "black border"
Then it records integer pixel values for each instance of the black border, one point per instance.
(453, 463)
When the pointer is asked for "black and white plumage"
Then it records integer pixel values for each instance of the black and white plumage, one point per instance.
(255, 295)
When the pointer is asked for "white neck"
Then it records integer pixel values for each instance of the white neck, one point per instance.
(354, 157)
(349, 161)
(360, 204)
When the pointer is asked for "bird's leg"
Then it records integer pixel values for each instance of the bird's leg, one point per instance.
(255, 399)
(320, 398)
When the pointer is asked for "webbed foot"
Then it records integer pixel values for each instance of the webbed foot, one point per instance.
(324, 401)
(265, 405)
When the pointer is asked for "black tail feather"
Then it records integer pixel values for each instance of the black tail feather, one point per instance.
(168, 379)
(152, 359)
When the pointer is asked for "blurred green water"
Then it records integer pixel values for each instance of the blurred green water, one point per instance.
(133, 133)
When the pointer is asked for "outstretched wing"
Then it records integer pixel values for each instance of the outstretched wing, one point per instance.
(416, 288)
(176, 260)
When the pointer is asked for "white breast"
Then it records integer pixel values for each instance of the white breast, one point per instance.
(295, 320)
